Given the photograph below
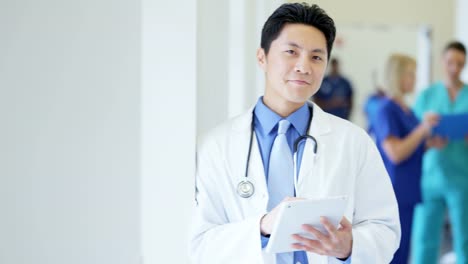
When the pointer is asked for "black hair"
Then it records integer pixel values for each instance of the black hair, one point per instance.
(456, 45)
(298, 13)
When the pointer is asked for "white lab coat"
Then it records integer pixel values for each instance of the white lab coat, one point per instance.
(226, 227)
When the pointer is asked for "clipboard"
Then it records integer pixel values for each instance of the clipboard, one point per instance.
(453, 127)
(293, 214)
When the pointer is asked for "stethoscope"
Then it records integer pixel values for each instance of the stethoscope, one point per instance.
(246, 188)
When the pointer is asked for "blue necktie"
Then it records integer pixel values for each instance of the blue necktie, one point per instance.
(280, 171)
(280, 177)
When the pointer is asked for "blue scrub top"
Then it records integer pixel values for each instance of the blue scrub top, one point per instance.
(335, 87)
(392, 120)
(370, 108)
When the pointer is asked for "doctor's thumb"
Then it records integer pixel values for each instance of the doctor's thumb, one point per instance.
(345, 224)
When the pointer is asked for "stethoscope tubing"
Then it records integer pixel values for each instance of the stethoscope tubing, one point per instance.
(245, 180)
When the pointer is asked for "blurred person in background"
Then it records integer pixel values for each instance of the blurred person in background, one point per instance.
(445, 166)
(372, 104)
(370, 109)
(400, 139)
(335, 95)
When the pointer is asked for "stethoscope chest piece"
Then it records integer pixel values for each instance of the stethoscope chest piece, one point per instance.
(245, 188)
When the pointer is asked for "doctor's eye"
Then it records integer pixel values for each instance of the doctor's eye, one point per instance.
(317, 58)
(291, 52)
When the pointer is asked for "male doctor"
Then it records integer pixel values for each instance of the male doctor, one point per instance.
(232, 221)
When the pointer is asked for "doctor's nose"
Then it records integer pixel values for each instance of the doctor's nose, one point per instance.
(302, 66)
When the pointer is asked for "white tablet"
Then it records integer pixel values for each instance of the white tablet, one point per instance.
(293, 214)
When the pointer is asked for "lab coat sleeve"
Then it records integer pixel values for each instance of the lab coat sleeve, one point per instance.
(376, 224)
(215, 239)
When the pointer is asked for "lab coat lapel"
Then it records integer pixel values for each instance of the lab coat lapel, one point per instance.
(311, 164)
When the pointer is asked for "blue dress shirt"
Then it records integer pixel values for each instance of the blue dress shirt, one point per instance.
(266, 129)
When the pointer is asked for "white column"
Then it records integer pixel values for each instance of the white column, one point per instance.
(424, 59)
(212, 63)
(168, 128)
(69, 132)
(236, 55)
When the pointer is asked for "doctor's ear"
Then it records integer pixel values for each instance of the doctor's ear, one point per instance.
(261, 58)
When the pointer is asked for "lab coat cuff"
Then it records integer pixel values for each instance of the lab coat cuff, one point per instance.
(347, 261)
(334, 260)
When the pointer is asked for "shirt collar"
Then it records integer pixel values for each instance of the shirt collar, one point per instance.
(268, 119)
(300, 119)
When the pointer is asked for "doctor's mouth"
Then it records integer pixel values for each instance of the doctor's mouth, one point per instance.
(299, 82)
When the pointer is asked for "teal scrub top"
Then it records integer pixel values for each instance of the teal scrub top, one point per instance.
(447, 166)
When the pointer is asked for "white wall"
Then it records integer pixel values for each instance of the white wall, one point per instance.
(461, 29)
(440, 15)
(69, 132)
(212, 71)
(168, 128)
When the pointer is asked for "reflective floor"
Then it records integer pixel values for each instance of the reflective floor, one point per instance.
(447, 255)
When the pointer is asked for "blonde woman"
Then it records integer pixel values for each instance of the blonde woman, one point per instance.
(400, 140)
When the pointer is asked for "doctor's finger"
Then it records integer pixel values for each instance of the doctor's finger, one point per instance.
(315, 250)
(319, 235)
(308, 242)
(345, 223)
(328, 226)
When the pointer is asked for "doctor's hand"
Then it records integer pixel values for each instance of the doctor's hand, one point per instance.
(268, 220)
(337, 243)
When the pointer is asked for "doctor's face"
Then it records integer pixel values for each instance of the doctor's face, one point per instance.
(295, 64)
